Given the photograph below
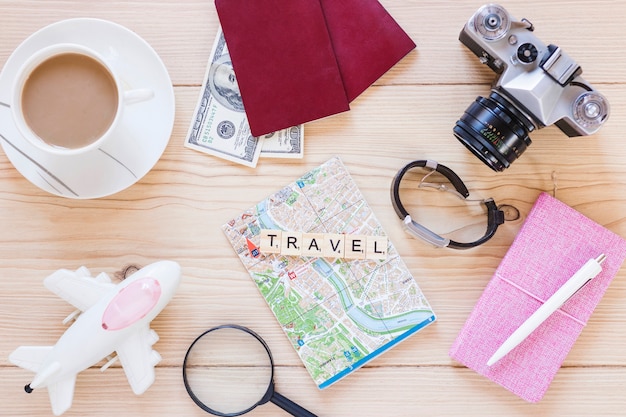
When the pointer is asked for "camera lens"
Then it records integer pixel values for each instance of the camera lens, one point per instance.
(494, 130)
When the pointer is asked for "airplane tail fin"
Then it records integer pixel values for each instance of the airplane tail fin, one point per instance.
(31, 358)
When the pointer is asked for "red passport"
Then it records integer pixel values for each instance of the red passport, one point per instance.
(301, 60)
(284, 61)
(366, 39)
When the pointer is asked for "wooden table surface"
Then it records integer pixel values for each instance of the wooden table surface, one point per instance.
(176, 210)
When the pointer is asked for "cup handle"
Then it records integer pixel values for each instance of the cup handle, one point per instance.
(138, 95)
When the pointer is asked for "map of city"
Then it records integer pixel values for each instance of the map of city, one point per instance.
(338, 314)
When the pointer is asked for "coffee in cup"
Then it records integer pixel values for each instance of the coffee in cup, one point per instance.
(68, 100)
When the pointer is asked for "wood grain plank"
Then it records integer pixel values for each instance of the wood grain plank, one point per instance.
(176, 210)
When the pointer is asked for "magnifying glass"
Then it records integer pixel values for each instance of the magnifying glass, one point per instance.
(228, 371)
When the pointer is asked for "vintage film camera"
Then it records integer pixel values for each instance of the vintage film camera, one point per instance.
(537, 86)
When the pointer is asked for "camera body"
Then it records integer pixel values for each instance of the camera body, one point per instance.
(537, 85)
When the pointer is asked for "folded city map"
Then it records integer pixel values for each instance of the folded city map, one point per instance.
(337, 313)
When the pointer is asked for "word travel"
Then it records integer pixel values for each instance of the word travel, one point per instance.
(323, 245)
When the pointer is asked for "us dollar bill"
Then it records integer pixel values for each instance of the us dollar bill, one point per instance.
(286, 143)
(220, 127)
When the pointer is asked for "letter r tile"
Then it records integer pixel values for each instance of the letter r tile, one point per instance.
(291, 243)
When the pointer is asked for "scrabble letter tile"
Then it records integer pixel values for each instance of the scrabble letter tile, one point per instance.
(355, 246)
(291, 243)
(333, 245)
(376, 247)
(270, 241)
(312, 244)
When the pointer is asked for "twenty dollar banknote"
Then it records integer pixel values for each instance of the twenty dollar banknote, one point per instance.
(220, 127)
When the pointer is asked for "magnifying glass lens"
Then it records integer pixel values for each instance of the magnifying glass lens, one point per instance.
(228, 371)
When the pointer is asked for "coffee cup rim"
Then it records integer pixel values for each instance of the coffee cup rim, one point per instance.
(27, 68)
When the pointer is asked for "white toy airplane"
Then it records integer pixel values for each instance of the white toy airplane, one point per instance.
(115, 317)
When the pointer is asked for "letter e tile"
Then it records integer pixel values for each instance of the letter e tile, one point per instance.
(355, 246)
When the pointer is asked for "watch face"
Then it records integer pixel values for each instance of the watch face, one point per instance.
(418, 231)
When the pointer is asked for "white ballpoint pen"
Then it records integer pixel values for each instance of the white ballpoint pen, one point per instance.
(585, 274)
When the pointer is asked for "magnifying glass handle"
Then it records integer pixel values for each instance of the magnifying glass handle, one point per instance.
(290, 407)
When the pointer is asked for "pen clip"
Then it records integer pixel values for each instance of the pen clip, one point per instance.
(576, 292)
(600, 259)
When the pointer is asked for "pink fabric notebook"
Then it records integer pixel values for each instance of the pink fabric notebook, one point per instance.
(554, 242)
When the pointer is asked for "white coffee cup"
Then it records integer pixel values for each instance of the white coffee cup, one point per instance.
(68, 99)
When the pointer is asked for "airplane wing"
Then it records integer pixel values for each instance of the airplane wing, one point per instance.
(78, 288)
(138, 359)
(61, 394)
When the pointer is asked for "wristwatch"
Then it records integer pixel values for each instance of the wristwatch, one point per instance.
(495, 216)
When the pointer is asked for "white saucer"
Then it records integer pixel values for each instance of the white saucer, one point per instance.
(144, 130)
